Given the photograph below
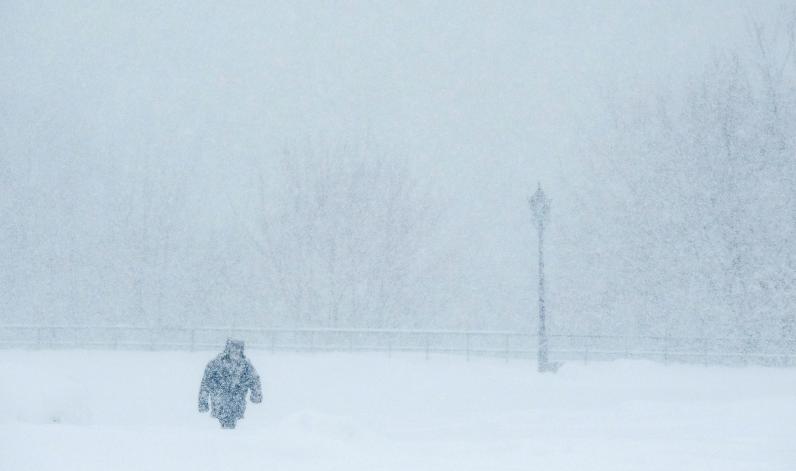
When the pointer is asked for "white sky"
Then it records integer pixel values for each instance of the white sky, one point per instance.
(485, 98)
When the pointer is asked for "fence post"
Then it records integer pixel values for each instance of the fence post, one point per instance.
(427, 344)
(586, 349)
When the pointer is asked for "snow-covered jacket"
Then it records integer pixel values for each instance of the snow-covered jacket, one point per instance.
(226, 382)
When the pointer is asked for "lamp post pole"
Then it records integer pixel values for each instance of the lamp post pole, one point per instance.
(540, 208)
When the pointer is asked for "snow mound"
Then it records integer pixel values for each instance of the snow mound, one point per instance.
(321, 424)
(65, 403)
(86, 411)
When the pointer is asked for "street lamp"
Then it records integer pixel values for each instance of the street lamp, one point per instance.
(540, 208)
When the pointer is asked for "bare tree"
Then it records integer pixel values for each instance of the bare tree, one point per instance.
(696, 226)
(345, 242)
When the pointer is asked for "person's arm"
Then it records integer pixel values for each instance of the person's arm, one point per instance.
(204, 391)
(256, 395)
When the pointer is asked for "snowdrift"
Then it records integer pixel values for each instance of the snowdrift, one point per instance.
(96, 410)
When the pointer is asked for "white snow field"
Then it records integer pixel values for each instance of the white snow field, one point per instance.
(111, 411)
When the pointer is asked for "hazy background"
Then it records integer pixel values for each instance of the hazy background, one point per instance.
(340, 163)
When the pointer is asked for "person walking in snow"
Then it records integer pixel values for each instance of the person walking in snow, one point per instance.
(227, 379)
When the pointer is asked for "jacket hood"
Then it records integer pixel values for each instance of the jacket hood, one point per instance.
(233, 345)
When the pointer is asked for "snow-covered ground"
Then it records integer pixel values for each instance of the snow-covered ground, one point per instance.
(96, 410)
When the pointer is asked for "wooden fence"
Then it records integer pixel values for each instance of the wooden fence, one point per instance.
(496, 343)
(505, 344)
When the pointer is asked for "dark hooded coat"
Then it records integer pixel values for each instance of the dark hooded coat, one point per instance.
(225, 383)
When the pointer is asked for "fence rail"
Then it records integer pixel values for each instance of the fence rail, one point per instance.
(500, 343)
(506, 344)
